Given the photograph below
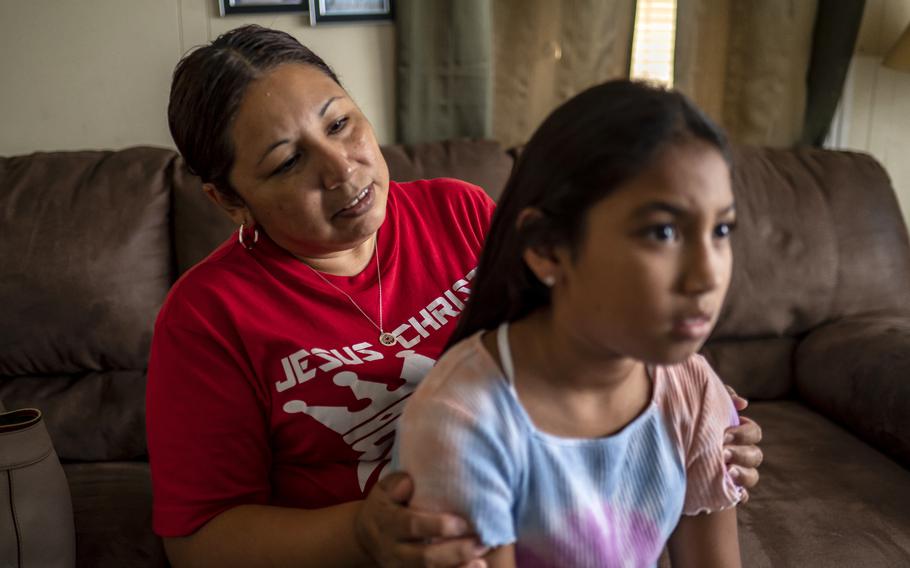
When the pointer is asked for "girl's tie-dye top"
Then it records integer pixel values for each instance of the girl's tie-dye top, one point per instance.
(614, 501)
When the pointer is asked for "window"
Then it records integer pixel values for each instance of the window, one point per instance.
(654, 41)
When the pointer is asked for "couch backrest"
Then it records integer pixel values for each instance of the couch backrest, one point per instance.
(85, 262)
(91, 241)
(821, 238)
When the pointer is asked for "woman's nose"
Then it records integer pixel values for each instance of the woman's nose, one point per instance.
(336, 168)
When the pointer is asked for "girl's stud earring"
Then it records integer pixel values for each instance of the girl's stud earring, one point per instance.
(549, 281)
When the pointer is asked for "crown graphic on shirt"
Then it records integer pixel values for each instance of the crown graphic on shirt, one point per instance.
(368, 426)
(374, 400)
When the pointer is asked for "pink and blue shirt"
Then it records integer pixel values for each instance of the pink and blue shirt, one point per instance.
(611, 501)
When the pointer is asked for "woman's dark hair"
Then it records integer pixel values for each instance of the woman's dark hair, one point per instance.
(583, 151)
(207, 88)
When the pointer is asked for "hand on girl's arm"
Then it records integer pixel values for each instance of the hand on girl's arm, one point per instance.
(397, 536)
(741, 451)
(706, 541)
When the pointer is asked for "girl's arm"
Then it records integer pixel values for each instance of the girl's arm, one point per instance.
(705, 541)
(501, 557)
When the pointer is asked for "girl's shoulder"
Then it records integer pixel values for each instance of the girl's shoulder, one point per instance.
(698, 411)
(687, 377)
(690, 389)
(466, 376)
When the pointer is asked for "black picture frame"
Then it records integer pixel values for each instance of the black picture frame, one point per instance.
(347, 11)
(231, 7)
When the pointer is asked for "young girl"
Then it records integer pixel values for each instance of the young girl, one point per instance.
(571, 420)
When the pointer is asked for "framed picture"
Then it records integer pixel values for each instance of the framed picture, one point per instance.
(229, 7)
(329, 11)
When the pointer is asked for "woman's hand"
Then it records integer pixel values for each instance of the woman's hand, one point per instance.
(741, 449)
(396, 536)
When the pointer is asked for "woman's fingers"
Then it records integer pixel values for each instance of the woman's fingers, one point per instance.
(745, 499)
(748, 433)
(395, 535)
(408, 525)
(396, 487)
(739, 402)
(748, 457)
(443, 554)
(742, 454)
(744, 476)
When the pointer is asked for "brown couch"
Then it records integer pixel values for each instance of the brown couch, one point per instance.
(816, 332)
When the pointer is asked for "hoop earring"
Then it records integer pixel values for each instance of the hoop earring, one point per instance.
(247, 245)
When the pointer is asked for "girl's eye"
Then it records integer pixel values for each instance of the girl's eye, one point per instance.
(338, 125)
(723, 230)
(663, 233)
(287, 165)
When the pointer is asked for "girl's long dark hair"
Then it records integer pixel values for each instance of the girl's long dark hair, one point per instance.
(584, 150)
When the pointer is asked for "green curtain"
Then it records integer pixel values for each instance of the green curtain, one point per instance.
(834, 39)
(445, 69)
(547, 51)
(744, 62)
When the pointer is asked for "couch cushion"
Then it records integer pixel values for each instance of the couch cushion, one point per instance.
(825, 498)
(481, 162)
(86, 259)
(821, 237)
(91, 416)
(856, 371)
(785, 249)
(199, 225)
(758, 369)
(112, 506)
(873, 269)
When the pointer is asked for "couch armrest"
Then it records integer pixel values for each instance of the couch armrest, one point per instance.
(856, 371)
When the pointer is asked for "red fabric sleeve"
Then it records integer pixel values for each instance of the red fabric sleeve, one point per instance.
(206, 424)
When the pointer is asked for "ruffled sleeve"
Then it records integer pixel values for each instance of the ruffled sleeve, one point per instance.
(704, 411)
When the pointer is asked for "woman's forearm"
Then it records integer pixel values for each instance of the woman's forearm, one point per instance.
(260, 535)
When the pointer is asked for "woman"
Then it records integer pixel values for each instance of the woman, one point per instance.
(280, 363)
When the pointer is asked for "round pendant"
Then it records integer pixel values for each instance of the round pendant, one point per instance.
(387, 339)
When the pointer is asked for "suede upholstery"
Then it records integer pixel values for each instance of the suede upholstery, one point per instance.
(816, 330)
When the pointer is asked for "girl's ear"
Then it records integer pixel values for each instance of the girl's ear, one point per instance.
(544, 260)
(233, 206)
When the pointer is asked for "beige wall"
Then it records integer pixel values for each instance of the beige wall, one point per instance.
(96, 74)
(875, 109)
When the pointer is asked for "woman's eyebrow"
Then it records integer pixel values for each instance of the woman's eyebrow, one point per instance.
(272, 147)
(325, 107)
(322, 111)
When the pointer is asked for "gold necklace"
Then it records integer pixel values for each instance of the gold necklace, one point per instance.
(385, 337)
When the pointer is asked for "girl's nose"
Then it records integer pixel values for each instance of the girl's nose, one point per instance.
(705, 268)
